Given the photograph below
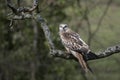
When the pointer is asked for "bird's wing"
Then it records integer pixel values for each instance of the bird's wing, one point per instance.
(74, 42)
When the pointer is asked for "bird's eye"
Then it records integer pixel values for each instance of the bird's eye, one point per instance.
(65, 26)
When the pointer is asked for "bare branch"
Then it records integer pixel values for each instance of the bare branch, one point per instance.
(9, 4)
(21, 17)
(109, 51)
(98, 55)
(27, 9)
(35, 4)
(22, 9)
(46, 31)
(21, 13)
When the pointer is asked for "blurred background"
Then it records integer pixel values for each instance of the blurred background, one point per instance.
(24, 51)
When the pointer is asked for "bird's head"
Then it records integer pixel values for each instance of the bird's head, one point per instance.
(63, 27)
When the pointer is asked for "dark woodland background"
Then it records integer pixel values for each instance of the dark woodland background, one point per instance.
(97, 21)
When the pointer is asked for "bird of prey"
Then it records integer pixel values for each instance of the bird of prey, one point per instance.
(75, 45)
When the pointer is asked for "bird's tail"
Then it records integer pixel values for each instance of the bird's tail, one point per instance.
(83, 63)
(86, 70)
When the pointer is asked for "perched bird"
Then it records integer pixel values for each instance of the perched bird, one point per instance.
(74, 45)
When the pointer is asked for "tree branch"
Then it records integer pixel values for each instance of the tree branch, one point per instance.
(107, 52)
(22, 9)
